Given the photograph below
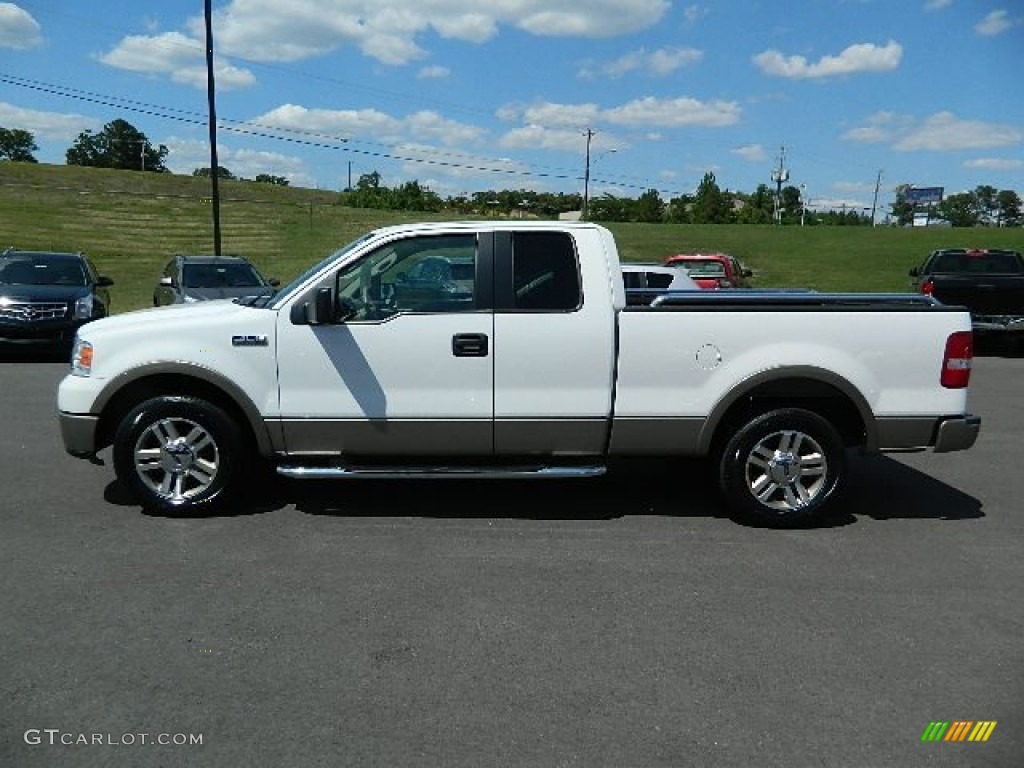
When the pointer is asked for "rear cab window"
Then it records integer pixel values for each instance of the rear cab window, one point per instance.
(545, 272)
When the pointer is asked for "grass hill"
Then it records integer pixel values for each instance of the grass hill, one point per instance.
(130, 223)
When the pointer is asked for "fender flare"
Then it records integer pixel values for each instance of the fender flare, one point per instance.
(803, 372)
(260, 430)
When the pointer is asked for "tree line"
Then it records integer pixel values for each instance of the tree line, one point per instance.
(120, 145)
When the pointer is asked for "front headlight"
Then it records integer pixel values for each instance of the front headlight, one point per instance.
(81, 358)
(83, 308)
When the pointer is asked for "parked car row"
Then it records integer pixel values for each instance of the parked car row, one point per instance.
(46, 296)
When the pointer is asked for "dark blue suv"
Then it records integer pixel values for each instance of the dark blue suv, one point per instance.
(45, 297)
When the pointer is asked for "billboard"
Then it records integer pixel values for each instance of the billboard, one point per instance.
(924, 195)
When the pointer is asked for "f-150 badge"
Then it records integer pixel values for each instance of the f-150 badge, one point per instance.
(259, 340)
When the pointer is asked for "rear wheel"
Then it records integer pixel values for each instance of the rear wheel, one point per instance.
(180, 455)
(782, 467)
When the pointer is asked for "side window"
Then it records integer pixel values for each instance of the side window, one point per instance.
(545, 273)
(633, 279)
(435, 274)
(658, 280)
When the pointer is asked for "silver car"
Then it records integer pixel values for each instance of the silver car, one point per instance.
(189, 279)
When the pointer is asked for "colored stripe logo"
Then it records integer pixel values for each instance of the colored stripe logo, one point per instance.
(958, 730)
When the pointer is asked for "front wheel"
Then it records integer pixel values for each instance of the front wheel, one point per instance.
(180, 455)
(782, 467)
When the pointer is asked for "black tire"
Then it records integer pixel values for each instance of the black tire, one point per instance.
(179, 455)
(782, 467)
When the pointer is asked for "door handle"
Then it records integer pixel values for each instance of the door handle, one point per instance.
(469, 345)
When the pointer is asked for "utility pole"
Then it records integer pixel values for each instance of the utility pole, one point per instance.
(874, 203)
(779, 176)
(211, 96)
(586, 175)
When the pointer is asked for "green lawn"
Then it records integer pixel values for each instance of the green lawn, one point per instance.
(131, 222)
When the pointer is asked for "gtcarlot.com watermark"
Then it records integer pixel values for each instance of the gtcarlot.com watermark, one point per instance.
(56, 737)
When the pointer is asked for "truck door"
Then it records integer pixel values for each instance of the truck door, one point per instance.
(410, 372)
(554, 346)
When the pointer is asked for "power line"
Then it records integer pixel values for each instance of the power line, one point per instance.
(303, 138)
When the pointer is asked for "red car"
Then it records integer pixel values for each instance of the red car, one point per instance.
(712, 271)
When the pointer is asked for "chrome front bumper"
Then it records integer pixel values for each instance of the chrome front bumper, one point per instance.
(79, 433)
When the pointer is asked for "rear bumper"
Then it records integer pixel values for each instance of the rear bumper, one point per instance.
(956, 434)
(997, 324)
(941, 434)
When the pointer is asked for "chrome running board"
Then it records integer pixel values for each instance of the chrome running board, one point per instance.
(450, 473)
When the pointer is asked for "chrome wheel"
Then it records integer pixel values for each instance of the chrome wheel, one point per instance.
(176, 459)
(786, 470)
(783, 466)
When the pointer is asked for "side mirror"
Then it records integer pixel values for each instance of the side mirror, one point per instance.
(914, 272)
(103, 282)
(274, 282)
(748, 273)
(323, 307)
(319, 311)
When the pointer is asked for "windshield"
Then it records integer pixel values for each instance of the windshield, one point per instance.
(700, 267)
(1006, 263)
(223, 275)
(41, 270)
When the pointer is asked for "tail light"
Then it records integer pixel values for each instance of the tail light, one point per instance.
(928, 287)
(957, 360)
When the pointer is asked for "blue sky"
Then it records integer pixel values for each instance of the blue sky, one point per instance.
(466, 96)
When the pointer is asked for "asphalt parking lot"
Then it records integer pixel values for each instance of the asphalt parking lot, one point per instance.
(620, 622)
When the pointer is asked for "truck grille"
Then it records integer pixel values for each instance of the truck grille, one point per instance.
(33, 311)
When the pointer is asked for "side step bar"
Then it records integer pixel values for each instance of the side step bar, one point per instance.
(451, 473)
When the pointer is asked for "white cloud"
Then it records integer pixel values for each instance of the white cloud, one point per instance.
(995, 164)
(18, 29)
(270, 30)
(994, 24)
(576, 117)
(660, 63)
(371, 124)
(180, 57)
(185, 155)
(937, 5)
(881, 127)
(433, 73)
(55, 126)
(561, 126)
(753, 153)
(941, 132)
(862, 57)
(674, 113)
(539, 137)
(944, 131)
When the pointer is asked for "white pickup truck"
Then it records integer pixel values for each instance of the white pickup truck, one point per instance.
(507, 349)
